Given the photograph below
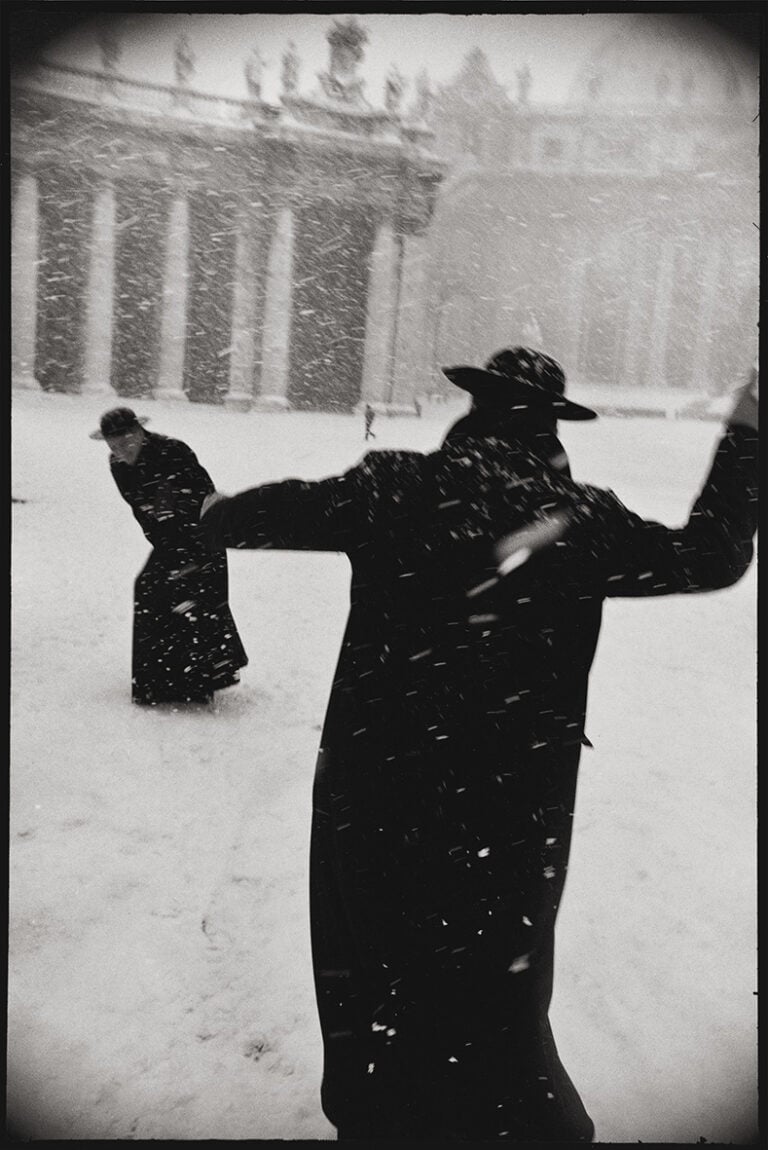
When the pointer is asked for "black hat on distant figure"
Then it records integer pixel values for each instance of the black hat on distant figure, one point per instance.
(519, 379)
(118, 421)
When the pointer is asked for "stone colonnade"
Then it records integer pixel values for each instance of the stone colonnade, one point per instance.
(631, 287)
(672, 303)
(263, 269)
(665, 314)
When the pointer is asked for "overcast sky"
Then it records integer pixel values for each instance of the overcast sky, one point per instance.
(554, 45)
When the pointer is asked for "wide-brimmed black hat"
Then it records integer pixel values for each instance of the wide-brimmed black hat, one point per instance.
(118, 421)
(519, 379)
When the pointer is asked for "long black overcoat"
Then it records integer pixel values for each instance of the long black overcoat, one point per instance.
(446, 777)
(185, 642)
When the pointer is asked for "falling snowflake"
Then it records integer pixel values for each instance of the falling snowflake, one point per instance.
(519, 964)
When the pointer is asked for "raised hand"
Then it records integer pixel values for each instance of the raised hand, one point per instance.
(214, 497)
(745, 408)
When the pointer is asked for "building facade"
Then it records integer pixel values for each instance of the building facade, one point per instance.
(619, 230)
(170, 243)
(320, 252)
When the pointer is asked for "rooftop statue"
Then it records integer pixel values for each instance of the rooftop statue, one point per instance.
(424, 97)
(394, 86)
(109, 47)
(183, 60)
(340, 82)
(524, 81)
(254, 70)
(290, 74)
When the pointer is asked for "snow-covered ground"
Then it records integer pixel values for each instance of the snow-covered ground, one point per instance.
(160, 973)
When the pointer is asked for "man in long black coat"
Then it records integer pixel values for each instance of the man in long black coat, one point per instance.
(446, 777)
(185, 642)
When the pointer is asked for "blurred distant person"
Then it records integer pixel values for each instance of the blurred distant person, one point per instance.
(532, 336)
(185, 642)
(370, 415)
(254, 70)
(446, 778)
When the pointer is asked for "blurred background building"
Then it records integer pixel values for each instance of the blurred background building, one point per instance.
(622, 227)
(169, 242)
(320, 251)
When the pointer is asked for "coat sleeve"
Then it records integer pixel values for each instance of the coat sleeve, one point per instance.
(638, 557)
(167, 504)
(179, 495)
(294, 515)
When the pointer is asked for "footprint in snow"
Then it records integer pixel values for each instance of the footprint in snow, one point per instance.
(256, 1048)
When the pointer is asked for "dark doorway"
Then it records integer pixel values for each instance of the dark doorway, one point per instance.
(140, 226)
(211, 287)
(333, 247)
(66, 208)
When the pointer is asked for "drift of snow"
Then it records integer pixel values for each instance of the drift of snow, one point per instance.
(160, 968)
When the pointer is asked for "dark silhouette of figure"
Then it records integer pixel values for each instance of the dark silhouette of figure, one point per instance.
(185, 642)
(446, 776)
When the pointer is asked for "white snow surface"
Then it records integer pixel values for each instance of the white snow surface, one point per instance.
(160, 969)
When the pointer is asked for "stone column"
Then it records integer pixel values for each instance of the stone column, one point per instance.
(701, 354)
(380, 318)
(631, 375)
(577, 276)
(241, 360)
(277, 315)
(24, 256)
(659, 331)
(411, 351)
(99, 304)
(175, 288)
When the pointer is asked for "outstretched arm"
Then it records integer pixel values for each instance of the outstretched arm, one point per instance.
(714, 548)
(172, 517)
(294, 515)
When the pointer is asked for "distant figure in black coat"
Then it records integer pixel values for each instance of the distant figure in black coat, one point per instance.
(370, 415)
(185, 642)
(446, 778)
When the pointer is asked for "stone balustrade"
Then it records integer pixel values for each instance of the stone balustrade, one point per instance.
(105, 88)
(145, 265)
(113, 90)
